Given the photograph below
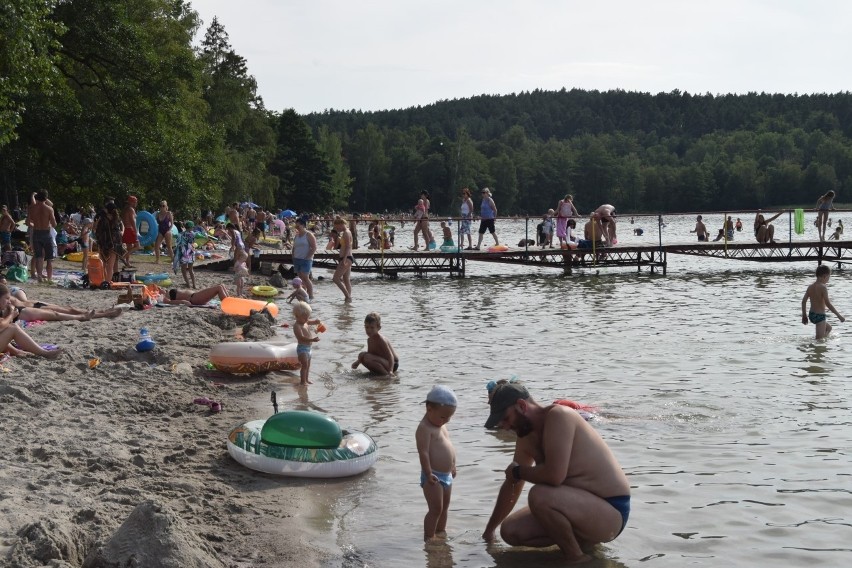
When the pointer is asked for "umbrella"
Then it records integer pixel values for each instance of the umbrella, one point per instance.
(220, 219)
(287, 213)
(249, 204)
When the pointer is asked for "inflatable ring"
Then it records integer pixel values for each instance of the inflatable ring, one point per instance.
(250, 358)
(146, 228)
(498, 248)
(243, 306)
(267, 291)
(251, 445)
(165, 283)
(74, 256)
(150, 278)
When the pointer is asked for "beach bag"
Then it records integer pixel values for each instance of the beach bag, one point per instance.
(17, 273)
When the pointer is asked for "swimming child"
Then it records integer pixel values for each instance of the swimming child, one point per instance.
(448, 235)
(437, 459)
(299, 293)
(818, 295)
(835, 236)
(379, 358)
(240, 271)
(305, 337)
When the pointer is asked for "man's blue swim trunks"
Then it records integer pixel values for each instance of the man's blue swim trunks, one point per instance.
(622, 505)
(816, 318)
(445, 479)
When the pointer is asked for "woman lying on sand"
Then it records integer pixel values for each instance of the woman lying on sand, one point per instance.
(15, 309)
(196, 298)
(24, 344)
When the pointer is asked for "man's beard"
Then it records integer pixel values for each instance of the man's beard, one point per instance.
(523, 427)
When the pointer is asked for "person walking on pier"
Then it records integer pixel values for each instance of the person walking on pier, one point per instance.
(487, 213)
(823, 206)
(466, 217)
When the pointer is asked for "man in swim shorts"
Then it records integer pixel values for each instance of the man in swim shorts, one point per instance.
(580, 497)
(7, 225)
(43, 222)
(130, 238)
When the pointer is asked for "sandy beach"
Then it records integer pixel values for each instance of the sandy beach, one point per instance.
(115, 464)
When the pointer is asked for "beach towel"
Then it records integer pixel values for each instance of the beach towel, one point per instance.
(799, 221)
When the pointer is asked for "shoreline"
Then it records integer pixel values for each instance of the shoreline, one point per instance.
(85, 446)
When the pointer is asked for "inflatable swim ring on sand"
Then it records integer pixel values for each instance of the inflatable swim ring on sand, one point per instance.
(243, 306)
(498, 248)
(74, 256)
(299, 443)
(248, 357)
(264, 291)
(150, 278)
(146, 227)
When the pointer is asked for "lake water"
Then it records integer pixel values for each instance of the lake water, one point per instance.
(730, 420)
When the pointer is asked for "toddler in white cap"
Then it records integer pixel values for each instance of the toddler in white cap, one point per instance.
(437, 459)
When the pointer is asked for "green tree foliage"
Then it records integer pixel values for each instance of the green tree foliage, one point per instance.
(130, 117)
(237, 114)
(302, 169)
(28, 42)
(665, 152)
(340, 182)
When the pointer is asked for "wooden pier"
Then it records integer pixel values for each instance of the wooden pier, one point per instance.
(393, 262)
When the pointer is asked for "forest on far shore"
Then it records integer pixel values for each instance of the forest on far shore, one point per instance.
(113, 98)
(669, 152)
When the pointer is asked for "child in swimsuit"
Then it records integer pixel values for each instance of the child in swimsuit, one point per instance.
(380, 357)
(305, 337)
(299, 293)
(817, 293)
(241, 271)
(437, 459)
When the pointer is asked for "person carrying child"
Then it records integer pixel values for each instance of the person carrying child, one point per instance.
(817, 293)
(437, 459)
(305, 337)
(299, 293)
(380, 357)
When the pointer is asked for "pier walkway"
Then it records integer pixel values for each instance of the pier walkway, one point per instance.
(392, 262)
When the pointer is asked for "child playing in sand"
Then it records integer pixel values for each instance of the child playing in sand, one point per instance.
(448, 235)
(379, 358)
(305, 337)
(437, 459)
(299, 293)
(240, 271)
(818, 295)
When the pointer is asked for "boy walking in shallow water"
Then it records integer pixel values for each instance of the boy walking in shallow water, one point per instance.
(437, 459)
(818, 295)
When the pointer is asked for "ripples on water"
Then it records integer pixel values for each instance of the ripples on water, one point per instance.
(730, 420)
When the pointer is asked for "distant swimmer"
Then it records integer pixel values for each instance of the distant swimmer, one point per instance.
(739, 225)
(638, 232)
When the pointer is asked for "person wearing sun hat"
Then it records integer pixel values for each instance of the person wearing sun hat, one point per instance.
(580, 492)
(299, 293)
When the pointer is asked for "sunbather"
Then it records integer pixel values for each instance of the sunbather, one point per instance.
(195, 298)
(14, 309)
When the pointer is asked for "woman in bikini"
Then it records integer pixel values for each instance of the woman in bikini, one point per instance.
(14, 309)
(823, 205)
(24, 344)
(197, 298)
(346, 260)
(164, 231)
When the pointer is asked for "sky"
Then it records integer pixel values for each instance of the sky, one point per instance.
(316, 55)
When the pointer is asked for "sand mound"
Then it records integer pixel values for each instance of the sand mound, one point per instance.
(48, 541)
(153, 536)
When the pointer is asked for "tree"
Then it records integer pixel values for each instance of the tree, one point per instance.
(305, 181)
(28, 43)
(340, 182)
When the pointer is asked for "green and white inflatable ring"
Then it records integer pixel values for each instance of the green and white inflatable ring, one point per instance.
(299, 443)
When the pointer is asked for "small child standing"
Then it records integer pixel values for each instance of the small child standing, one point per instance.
(818, 295)
(437, 459)
(305, 338)
(299, 293)
(185, 256)
(240, 271)
(85, 239)
(448, 235)
(379, 358)
(547, 228)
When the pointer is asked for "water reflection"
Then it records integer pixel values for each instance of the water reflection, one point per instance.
(439, 554)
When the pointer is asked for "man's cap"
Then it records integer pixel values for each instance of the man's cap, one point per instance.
(441, 395)
(502, 398)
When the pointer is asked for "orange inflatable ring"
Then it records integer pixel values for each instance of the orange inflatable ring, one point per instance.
(498, 248)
